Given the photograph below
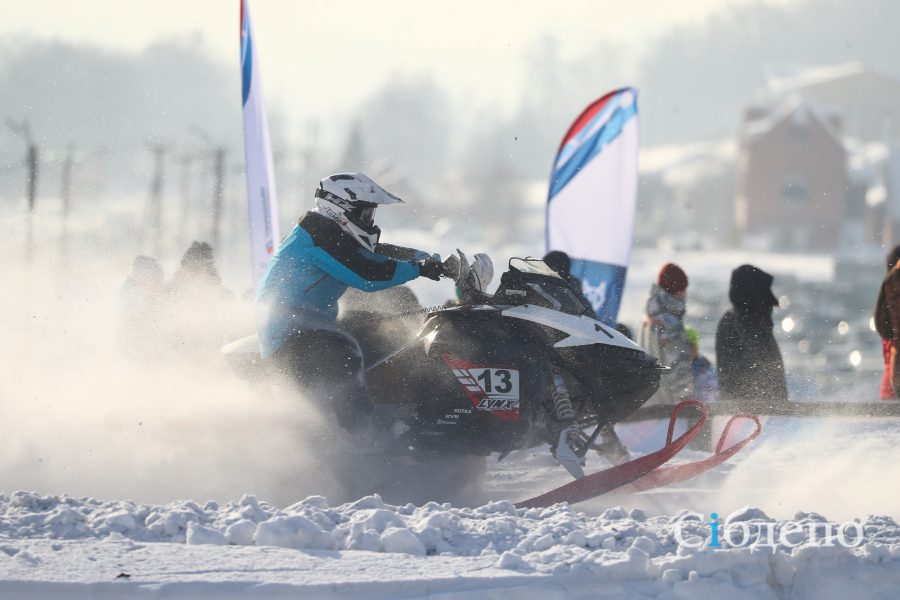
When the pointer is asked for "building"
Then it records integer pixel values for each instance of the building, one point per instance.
(815, 168)
(685, 195)
(792, 178)
(867, 101)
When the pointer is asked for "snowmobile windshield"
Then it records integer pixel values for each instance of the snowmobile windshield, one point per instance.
(530, 281)
(533, 266)
(557, 295)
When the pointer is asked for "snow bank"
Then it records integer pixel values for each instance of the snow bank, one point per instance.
(477, 551)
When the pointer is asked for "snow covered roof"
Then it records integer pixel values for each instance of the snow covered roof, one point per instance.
(876, 195)
(866, 164)
(783, 79)
(685, 164)
(864, 156)
(794, 108)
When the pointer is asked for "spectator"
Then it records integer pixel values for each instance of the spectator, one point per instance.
(884, 324)
(625, 330)
(140, 305)
(197, 273)
(560, 262)
(663, 334)
(750, 367)
(202, 315)
(703, 373)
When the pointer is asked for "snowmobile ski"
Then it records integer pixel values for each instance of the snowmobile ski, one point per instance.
(675, 473)
(610, 479)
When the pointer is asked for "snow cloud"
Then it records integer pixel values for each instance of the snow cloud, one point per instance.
(80, 413)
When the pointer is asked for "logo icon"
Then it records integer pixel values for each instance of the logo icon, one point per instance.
(493, 389)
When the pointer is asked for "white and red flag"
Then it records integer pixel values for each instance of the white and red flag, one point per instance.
(262, 201)
(592, 199)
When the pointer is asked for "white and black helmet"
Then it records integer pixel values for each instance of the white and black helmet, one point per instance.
(350, 200)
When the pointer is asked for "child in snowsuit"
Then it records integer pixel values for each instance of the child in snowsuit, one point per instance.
(704, 374)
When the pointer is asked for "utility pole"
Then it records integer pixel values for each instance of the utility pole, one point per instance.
(218, 153)
(65, 193)
(32, 160)
(218, 192)
(185, 191)
(65, 188)
(154, 208)
(310, 164)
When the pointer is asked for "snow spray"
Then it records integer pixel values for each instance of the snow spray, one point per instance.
(81, 416)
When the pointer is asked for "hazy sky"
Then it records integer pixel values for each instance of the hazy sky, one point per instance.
(319, 55)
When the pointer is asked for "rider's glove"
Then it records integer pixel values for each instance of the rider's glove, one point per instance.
(431, 268)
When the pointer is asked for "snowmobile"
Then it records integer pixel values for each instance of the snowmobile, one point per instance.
(526, 366)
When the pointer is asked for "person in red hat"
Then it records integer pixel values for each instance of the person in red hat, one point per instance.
(663, 334)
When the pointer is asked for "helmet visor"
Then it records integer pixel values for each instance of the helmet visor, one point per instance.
(364, 215)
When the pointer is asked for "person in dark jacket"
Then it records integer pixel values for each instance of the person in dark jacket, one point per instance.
(200, 311)
(197, 271)
(883, 324)
(749, 363)
(561, 263)
(141, 303)
(625, 330)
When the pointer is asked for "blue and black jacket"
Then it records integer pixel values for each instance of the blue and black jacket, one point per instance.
(312, 268)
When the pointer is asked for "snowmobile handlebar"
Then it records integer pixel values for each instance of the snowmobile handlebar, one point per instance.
(456, 267)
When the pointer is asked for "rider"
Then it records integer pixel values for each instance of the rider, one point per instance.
(332, 247)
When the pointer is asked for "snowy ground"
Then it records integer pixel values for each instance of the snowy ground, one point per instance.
(80, 547)
(638, 547)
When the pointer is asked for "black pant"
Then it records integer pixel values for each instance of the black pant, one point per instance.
(326, 365)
